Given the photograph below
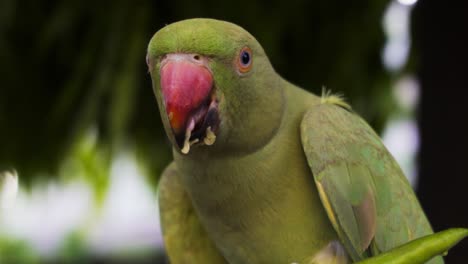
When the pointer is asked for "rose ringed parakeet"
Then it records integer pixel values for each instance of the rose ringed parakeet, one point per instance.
(264, 171)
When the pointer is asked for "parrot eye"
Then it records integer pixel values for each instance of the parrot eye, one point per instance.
(244, 61)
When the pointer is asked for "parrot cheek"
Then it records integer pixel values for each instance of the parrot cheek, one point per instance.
(189, 99)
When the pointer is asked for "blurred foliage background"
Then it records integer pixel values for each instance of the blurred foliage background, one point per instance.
(75, 94)
(71, 65)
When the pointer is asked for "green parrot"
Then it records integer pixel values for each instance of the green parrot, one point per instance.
(264, 171)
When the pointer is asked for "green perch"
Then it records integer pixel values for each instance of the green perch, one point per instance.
(264, 171)
(421, 249)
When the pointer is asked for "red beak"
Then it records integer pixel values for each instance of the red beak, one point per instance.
(186, 85)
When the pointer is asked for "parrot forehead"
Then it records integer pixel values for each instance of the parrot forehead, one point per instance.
(207, 37)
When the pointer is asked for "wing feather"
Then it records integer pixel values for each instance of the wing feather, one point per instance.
(365, 194)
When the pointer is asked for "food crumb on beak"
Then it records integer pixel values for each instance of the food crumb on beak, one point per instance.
(188, 133)
(210, 137)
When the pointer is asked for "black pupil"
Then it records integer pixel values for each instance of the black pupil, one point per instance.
(245, 58)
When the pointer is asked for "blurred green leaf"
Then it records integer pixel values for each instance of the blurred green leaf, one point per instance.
(74, 249)
(17, 251)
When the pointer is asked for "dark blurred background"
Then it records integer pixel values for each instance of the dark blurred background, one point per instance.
(79, 122)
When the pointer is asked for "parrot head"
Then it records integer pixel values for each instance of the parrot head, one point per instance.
(215, 87)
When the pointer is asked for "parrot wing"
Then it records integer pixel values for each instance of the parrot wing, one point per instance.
(367, 198)
(184, 236)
